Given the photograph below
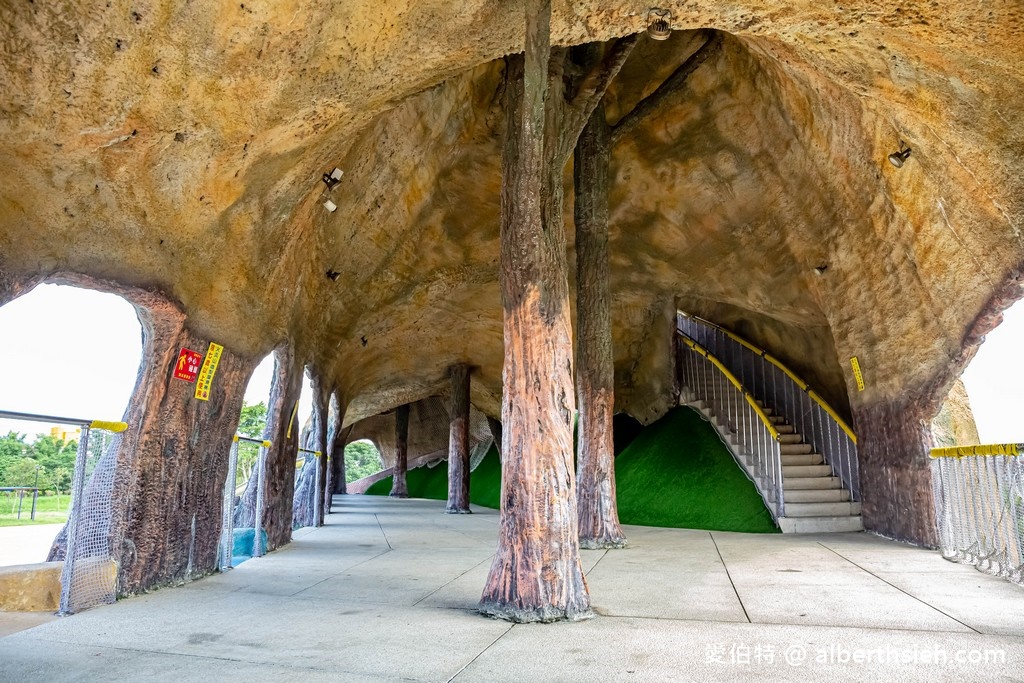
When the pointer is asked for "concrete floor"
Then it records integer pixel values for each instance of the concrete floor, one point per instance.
(387, 590)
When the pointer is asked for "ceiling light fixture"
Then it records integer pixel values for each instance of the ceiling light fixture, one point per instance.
(333, 275)
(657, 23)
(897, 158)
(330, 180)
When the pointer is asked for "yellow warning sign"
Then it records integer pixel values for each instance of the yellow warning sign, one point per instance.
(857, 374)
(209, 368)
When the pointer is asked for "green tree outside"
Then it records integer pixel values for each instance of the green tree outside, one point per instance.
(361, 460)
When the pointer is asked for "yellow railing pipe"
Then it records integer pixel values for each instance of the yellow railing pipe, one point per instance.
(988, 449)
(804, 386)
(700, 350)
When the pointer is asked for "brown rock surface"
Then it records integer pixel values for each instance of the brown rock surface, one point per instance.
(179, 147)
(954, 425)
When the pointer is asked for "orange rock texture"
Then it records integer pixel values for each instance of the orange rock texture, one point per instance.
(179, 146)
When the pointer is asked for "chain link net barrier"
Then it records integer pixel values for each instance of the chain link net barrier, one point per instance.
(89, 573)
(979, 507)
(239, 543)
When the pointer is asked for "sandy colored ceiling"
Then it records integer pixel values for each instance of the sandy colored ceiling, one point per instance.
(178, 146)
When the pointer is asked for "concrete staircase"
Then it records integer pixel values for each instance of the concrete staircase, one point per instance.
(815, 500)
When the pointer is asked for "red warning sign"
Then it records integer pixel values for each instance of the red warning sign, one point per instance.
(187, 367)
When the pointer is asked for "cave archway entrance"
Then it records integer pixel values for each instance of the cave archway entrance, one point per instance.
(985, 404)
(65, 351)
(994, 380)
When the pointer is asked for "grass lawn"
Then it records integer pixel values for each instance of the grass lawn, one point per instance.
(673, 473)
(47, 510)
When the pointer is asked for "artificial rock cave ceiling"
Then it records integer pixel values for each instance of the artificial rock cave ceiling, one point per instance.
(179, 146)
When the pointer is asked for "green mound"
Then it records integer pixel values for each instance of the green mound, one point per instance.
(675, 473)
(678, 473)
(432, 482)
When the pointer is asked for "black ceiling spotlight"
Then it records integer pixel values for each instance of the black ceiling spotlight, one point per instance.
(657, 23)
(897, 158)
(330, 180)
(820, 270)
(333, 275)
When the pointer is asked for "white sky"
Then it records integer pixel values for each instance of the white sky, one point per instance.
(72, 352)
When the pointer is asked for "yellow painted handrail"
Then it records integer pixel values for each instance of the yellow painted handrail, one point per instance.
(700, 350)
(238, 437)
(989, 449)
(804, 386)
(115, 427)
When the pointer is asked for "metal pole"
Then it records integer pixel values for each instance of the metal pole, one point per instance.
(35, 494)
(77, 487)
(257, 541)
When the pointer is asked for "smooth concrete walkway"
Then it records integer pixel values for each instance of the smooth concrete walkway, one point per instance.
(387, 591)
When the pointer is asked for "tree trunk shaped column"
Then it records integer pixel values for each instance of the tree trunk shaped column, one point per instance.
(321, 401)
(536, 573)
(171, 464)
(458, 443)
(279, 473)
(399, 488)
(595, 371)
(339, 438)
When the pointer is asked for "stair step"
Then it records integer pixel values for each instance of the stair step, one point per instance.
(803, 459)
(785, 429)
(777, 419)
(817, 525)
(804, 471)
(811, 483)
(796, 448)
(790, 438)
(814, 495)
(841, 509)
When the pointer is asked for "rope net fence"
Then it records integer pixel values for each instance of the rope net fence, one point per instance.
(89, 573)
(979, 507)
(242, 536)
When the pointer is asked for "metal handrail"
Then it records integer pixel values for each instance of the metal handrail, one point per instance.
(700, 350)
(743, 423)
(92, 424)
(988, 449)
(779, 388)
(804, 386)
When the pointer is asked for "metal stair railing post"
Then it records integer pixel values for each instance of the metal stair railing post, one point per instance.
(792, 399)
(743, 421)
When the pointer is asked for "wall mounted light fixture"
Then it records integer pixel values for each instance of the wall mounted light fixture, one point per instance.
(657, 23)
(897, 158)
(330, 180)
(333, 178)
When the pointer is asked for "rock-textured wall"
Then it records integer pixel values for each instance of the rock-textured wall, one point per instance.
(954, 425)
(178, 147)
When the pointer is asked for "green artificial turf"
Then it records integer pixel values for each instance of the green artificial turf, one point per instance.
(674, 473)
(678, 473)
(432, 482)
